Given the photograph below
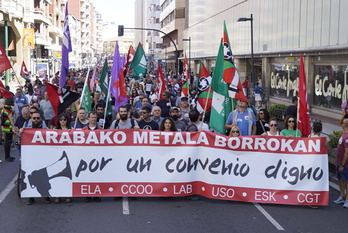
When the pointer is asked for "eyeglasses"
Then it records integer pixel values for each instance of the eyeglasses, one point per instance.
(144, 112)
(261, 113)
(235, 131)
(63, 119)
(273, 125)
(291, 121)
(36, 118)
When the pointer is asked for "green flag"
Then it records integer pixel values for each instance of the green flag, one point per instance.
(104, 79)
(221, 105)
(138, 64)
(86, 100)
(104, 83)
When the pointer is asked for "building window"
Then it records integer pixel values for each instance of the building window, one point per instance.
(330, 85)
(284, 80)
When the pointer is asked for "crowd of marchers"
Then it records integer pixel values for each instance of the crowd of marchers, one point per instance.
(172, 111)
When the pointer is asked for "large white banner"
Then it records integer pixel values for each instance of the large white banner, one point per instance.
(154, 163)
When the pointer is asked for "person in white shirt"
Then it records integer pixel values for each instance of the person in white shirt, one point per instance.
(194, 118)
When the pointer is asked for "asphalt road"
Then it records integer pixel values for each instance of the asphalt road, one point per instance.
(157, 215)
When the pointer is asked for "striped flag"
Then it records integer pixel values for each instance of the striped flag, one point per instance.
(205, 93)
(231, 77)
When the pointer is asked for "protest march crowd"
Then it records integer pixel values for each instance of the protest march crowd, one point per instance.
(125, 95)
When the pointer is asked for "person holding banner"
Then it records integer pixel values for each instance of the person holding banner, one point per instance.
(168, 125)
(290, 129)
(92, 125)
(235, 131)
(63, 123)
(262, 125)
(36, 123)
(81, 120)
(342, 165)
(273, 128)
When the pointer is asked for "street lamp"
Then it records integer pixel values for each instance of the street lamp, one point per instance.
(252, 75)
(189, 65)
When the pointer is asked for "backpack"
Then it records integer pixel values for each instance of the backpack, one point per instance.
(118, 121)
(191, 127)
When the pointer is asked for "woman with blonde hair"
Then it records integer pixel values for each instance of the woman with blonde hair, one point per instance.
(235, 131)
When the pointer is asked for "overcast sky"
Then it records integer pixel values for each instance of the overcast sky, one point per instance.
(118, 11)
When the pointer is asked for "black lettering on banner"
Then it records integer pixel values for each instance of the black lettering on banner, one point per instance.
(295, 174)
(170, 161)
(194, 165)
(83, 165)
(216, 163)
(138, 165)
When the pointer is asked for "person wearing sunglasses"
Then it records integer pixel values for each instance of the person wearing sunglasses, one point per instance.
(146, 122)
(262, 125)
(36, 123)
(63, 123)
(273, 128)
(290, 129)
(235, 131)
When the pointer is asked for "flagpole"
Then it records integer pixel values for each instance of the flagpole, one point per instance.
(83, 91)
(107, 101)
(206, 103)
(13, 71)
(297, 115)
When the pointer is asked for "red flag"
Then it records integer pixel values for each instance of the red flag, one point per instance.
(92, 81)
(60, 98)
(4, 62)
(185, 87)
(130, 55)
(24, 70)
(303, 111)
(160, 83)
(205, 93)
(4, 92)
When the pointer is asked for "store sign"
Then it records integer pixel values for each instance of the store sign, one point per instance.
(281, 83)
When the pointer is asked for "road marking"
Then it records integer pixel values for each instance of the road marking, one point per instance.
(8, 189)
(334, 186)
(125, 205)
(269, 217)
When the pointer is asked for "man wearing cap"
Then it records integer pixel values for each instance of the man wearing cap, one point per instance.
(175, 115)
(185, 108)
(243, 117)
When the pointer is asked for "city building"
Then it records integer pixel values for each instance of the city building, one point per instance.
(172, 20)
(281, 31)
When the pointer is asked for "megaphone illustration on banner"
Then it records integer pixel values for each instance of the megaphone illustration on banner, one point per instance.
(39, 179)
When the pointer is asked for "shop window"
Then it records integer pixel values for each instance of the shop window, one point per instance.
(284, 81)
(330, 85)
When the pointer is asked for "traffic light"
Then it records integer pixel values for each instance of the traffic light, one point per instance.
(120, 30)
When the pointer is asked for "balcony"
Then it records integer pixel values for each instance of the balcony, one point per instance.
(58, 11)
(54, 30)
(12, 7)
(39, 15)
(40, 39)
